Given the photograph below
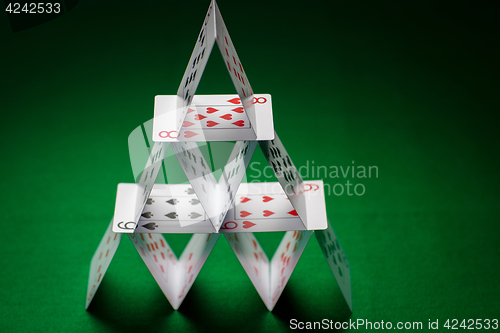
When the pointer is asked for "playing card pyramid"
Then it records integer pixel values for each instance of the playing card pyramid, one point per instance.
(210, 198)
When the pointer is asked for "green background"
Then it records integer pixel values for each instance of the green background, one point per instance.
(410, 87)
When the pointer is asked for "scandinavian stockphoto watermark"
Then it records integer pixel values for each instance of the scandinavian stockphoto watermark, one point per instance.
(353, 174)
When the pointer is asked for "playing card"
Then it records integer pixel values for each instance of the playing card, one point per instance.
(233, 173)
(140, 144)
(101, 260)
(223, 117)
(269, 277)
(160, 260)
(174, 276)
(139, 151)
(265, 207)
(131, 198)
(272, 206)
(214, 197)
(291, 181)
(284, 261)
(253, 259)
(192, 260)
(200, 177)
(173, 203)
(283, 167)
(234, 66)
(337, 261)
(196, 65)
(213, 118)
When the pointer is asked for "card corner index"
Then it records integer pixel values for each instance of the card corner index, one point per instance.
(125, 208)
(316, 218)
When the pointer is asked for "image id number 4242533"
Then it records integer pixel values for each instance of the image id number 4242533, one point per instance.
(33, 8)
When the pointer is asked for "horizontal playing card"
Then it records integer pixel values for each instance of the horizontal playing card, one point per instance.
(265, 207)
(213, 118)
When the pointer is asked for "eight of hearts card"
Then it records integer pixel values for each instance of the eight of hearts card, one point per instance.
(213, 118)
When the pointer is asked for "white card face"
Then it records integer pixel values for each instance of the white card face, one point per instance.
(215, 198)
(101, 260)
(160, 260)
(207, 117)
(130, 200)
(192, 260)
(287, 175)
(174, 276)
(283, 167)
(284, 260)
(173, 205)
(200, 177)
(269, 278)
(233, 173)
(253, 259)
(173, 209)
(139, 151)
(140, 145)
(213, 118)
(196, 66)
(234, 66)
(265, 207)
(337, 261)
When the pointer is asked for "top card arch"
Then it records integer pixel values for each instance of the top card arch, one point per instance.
(190, 117)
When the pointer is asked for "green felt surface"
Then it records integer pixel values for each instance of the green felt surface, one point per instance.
(409, 87)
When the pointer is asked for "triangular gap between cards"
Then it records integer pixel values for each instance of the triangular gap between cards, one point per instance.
(171, 173)
(217, 196)
(235, 169)
(269, 276)
(205, 188)
(174, 276)
(213, 31)
(292, 185)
